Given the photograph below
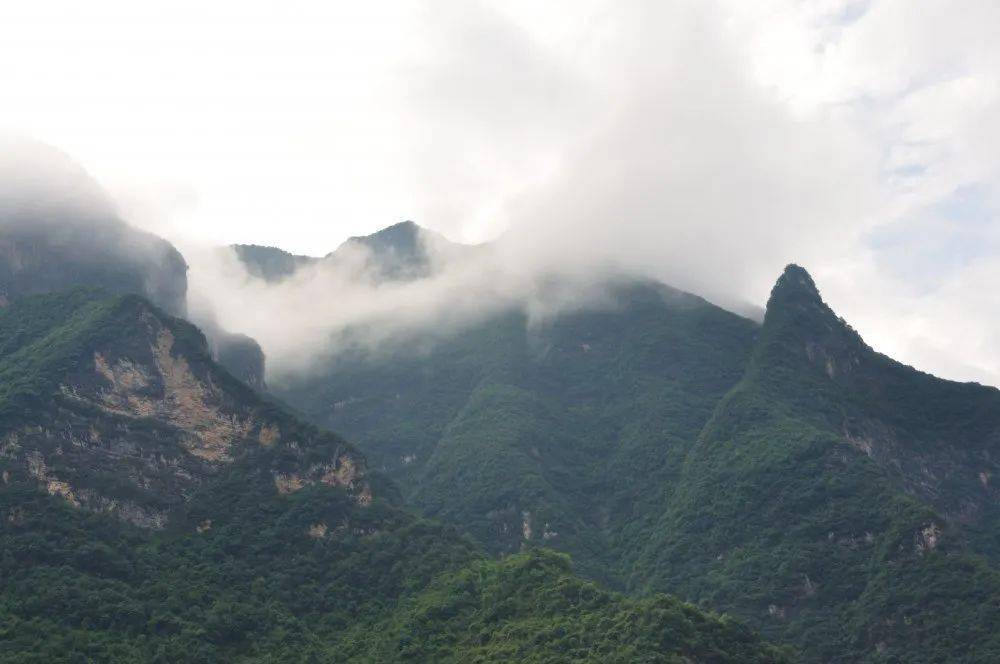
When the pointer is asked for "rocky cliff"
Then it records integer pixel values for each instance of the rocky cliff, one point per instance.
(117, 407)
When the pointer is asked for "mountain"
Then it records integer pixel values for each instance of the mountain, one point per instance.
(154, 508)
(44, 255)
(561, 435)
(270, 263)
(783, 472)
(118, 408)
(401, 252)
(840, 500)
(59, 230)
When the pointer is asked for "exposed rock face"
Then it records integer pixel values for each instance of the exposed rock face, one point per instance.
(343, 472)
(928, 537)
(169, 392)
(144, 417)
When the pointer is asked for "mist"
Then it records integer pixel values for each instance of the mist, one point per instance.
(694, 175)
(341, 302)
(701, 144)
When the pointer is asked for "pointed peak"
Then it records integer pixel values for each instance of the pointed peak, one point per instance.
(798, 324)
(796, 300)
(795, 289)
(796, 282)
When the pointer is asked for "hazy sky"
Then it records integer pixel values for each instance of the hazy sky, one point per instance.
(706, 142)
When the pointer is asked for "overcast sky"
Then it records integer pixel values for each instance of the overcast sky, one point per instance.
(707, 143)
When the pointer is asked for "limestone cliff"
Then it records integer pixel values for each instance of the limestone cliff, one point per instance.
(131, 415)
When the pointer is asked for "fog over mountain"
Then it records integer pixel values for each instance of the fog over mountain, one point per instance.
(704, 144)
(365, 297)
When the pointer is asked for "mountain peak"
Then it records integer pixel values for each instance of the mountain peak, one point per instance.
(799, 324)
(795, 299)
(795, 285)
(404, 236)
(402, 251)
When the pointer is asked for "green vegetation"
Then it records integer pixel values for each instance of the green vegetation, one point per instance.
(240, 570)
(529, 607)
(806, 510)
(257, 588)
(44, 338)
(786, 474)
(572, 430)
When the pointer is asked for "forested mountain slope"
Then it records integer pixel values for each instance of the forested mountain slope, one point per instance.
(564, 435)
(156, 509)
(840, 500)
(786, 473)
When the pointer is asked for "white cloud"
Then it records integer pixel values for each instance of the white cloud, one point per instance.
(705, 142)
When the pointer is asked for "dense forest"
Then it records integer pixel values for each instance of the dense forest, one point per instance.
(280, 546)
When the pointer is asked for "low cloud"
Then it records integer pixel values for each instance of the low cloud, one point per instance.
(341, 302)
(702, 143)
(668, 160)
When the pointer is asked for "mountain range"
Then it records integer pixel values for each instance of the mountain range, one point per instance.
(599, 485)
(783, 472)
(156, 507)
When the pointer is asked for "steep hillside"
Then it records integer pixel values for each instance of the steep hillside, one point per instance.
(119, 408)
(51, 255)
(48, 255)
(565, 435)
(785, 473)
(840, 500)
(59, 230)
(156, 509)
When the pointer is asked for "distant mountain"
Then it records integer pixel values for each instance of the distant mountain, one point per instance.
(401, 252)
(270, 263)
(59, 229)
(154, 508)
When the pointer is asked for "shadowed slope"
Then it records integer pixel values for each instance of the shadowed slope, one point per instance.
(816, 505)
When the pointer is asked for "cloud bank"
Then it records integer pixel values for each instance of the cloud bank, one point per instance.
(703, 143)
